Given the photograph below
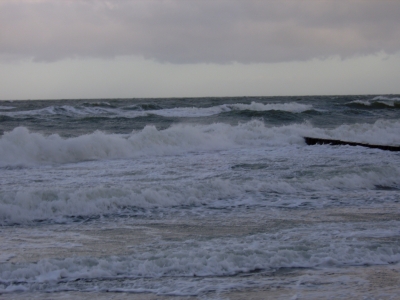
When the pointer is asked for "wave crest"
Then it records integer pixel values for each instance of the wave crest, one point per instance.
(22, 147)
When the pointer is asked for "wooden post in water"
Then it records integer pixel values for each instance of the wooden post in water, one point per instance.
(317, 141)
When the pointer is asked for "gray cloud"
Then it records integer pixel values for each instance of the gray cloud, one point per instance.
(206, 31)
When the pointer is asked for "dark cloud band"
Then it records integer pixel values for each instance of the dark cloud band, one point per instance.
(218, 31)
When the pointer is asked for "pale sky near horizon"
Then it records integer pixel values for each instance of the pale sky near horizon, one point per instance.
(53, 49)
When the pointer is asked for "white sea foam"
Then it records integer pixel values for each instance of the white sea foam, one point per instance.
(45, 203)
(385, 132)
(106, 196)
(6, 257)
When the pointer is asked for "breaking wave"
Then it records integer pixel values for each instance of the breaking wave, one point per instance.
(22, 147)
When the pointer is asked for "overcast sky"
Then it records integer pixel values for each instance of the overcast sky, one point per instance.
(53, 49)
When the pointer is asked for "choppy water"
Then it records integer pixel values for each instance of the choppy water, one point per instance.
(195, 197)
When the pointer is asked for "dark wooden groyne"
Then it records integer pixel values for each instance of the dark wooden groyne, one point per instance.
(317, 141)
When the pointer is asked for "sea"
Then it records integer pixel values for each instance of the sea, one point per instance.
(200, 198)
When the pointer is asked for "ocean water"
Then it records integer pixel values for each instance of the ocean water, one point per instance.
(209, 198)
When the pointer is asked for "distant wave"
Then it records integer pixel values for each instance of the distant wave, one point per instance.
(386, 98)
(214, 110)
(289, 107)
(376, 102)
(97, 104)
(64, 110)
(144, 106)
(22, 147)
(134, 111)
(3, 107)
